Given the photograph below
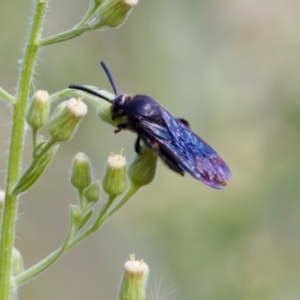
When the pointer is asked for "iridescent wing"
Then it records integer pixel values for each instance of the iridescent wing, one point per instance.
(177, 143)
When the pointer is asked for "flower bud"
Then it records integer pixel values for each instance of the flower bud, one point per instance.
(104, 112)
(143, 166)
(17, 262)
(66, 118)
(81, 176)
(92, 192)
(104, 109)
(38, 112)
(114, 180)
(114, 12)
(134, 281)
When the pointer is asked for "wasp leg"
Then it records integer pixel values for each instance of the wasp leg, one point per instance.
(185, 122)
(121, 126)
(164, 155)
(137, 145)
(170, 161)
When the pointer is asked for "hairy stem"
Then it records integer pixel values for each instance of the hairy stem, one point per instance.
(15, 151)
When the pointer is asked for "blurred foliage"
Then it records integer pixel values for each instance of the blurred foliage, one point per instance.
(232, 69)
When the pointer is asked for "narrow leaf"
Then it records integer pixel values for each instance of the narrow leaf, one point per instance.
(31, 176)
(85, 219)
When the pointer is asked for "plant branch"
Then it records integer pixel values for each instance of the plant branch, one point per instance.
(6, 96)
(64, 36)
(16, 146)
(47, 262)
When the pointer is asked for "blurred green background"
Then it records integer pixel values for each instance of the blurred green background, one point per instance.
(232, 69)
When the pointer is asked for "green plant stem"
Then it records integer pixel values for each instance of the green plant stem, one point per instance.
(6, 96)
(132, 190)
(48, 261)
(81, 200)
(34, 142)
(64, 36)
(15, 151)
(70, 243)
(61, 94)
(67, 92)
(79, 29)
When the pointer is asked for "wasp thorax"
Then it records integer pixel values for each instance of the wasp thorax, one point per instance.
(119, 107)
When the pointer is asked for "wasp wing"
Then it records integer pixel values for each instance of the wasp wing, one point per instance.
(188, 150)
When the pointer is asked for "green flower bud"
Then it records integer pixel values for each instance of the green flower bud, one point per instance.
(92, 192)
(104, 110)
(81, 176)
(17, 262)
(66, 118)
(38, 112)
(114, 180)
(114, 12)
(134, 281)
(143, 166)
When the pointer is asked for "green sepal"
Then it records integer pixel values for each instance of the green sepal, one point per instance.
(35, 170)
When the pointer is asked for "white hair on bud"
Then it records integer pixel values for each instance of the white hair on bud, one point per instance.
(42, 96)
(77, 107)
(131, 2)
(117, 161)
(80, 156)
(135, 266)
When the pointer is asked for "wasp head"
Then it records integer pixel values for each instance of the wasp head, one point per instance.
(119, 106)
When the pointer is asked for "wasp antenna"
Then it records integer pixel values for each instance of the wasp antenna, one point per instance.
(109, 76)
(87, 90)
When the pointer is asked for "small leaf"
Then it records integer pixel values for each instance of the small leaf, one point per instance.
(33, 173)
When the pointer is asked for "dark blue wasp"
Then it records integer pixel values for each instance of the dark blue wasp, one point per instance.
(171, 138)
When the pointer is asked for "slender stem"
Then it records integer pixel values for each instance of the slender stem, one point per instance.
(92, 99)
(16, 146)
(48, 261)
(6, 96)
(105, 207)
(61, 94)
(79, 29)
(81, 198)
(34, 142)
(132, 190)
(64, 36)
(68, 244)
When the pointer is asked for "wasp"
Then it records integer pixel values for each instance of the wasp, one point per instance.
(170, 137)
